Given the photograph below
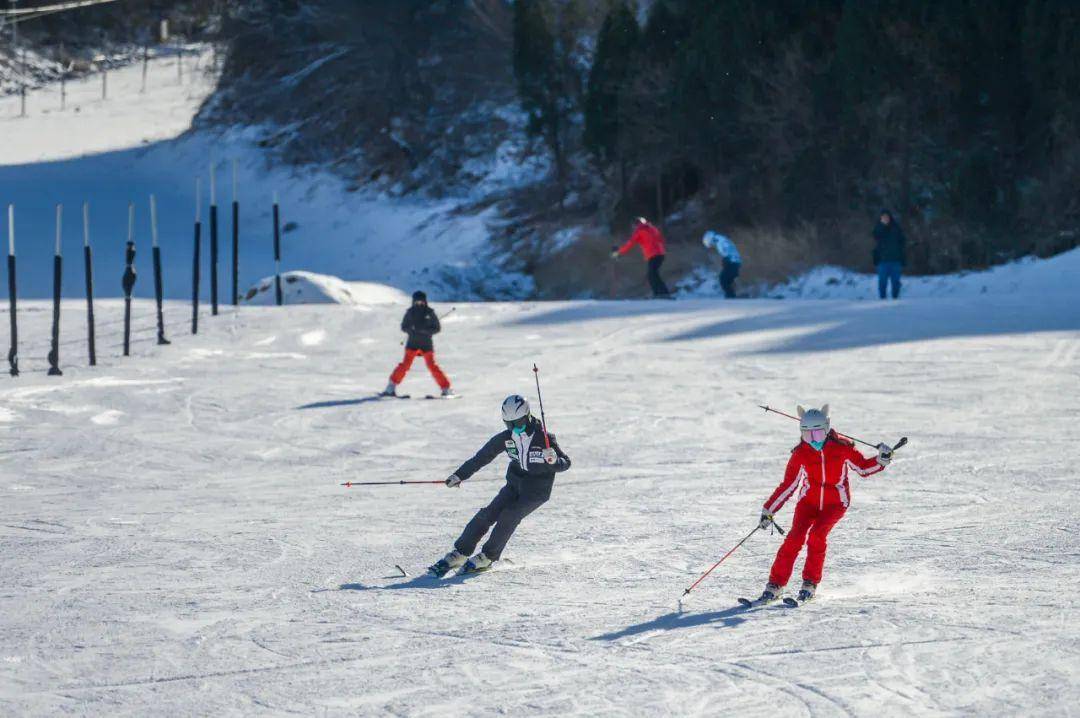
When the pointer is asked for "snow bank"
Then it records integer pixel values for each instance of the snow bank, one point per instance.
(1031, 275)
(311, 288)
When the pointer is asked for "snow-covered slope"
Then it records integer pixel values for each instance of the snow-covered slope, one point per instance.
(175, 539)
(112, 152)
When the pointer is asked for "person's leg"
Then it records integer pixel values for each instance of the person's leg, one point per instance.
(402, 369)
(882, 278)
(793, 543)
(436, 372)
(484, 519)
(817, 543)
(659, 289)
(727, 279)
(896, 270)
(533, 493)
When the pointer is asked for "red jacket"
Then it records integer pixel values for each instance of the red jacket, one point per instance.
(821, 477)
(650, 239)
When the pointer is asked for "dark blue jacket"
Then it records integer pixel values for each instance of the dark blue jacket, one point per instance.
(421, 323)
(889, 242)
(524, 451)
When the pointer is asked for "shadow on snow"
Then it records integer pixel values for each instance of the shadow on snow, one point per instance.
(728, 618)
(340, 402)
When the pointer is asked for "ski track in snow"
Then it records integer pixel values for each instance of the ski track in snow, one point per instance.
(175, 539)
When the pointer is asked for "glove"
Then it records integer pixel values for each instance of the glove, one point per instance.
(884, 454)
(766, 520)
(550, 456)
(453, 480)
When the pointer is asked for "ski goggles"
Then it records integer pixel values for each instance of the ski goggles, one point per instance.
(517, 425)
(814, 436)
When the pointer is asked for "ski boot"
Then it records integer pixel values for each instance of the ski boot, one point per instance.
(806, 592)
(477, 564)
(390, 390)
(770, 594)
(447, 563)
(448, 392)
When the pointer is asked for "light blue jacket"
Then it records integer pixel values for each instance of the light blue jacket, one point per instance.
(723, 245)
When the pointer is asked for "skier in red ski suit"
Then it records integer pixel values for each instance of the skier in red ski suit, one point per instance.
(651, 240)
(818, 470)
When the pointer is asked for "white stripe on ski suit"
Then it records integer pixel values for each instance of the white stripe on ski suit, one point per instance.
(790, 490)
(522, 441)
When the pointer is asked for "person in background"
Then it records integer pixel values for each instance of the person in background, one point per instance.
(421, 323)
(889, 243)
(729, 256)
(649, 238)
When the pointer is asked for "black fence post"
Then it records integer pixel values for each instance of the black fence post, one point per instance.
(235, 240)
(54, 350)
(277, 253)
(88, 260)
(13, 352)
(159, 290)
(195, 264)
(128, 281)
(213, 242)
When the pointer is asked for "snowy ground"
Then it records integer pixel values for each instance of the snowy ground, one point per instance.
(175, 540)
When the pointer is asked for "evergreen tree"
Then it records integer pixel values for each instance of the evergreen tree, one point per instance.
(616, 48)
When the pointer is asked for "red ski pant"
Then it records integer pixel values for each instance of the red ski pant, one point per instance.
(809, 519)
(429, 358)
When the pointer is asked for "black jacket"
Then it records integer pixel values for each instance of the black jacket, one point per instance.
(529, 445)
(889, 243)
(421, 323)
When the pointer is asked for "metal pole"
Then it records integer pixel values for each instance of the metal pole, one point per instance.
(89, 261)
(195, 261)
(277, 253)
(54, 351)
(213, 240)
(13, 351)
(158, 287)
(235, 239)
(128, 281)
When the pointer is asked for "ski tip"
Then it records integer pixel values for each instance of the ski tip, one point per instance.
(745, 602)
(789, 601)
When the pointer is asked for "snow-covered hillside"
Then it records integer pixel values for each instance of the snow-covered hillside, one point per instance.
(176, 540)
(120, 150)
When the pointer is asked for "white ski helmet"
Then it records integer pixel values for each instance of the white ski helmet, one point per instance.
(515, 411)
(814, 425)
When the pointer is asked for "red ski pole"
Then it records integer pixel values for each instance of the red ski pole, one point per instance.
(350, 484)
(722, 558)
(543, 421)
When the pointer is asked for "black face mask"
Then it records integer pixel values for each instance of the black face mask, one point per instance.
(517, 425)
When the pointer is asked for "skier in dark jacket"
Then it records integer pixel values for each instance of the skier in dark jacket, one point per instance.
(535, 458)
(889, 258)
(421, 324)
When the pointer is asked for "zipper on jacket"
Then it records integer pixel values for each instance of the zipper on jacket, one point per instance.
(821, 502)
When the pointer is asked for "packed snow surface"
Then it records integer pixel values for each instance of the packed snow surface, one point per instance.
(176, 539)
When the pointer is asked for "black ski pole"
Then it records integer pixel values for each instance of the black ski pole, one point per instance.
(88, 260)
(195, 260)
(540, 398)
(902, 442)
(54, 350)
(13, 351)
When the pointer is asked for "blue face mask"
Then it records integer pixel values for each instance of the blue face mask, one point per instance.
(817, 444)
(519, 430)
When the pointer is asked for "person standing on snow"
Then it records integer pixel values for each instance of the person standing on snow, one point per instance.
(421, 324)
(889, 241)
(818, 469)
(729, 256)
(652, 244)
(535, 458)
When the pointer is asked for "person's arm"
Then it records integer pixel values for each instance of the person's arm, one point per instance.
(793, 476)
(406, 326)
(436, 325)
(485, 456)
(635, 238)
(562, 461)
(867, 465)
